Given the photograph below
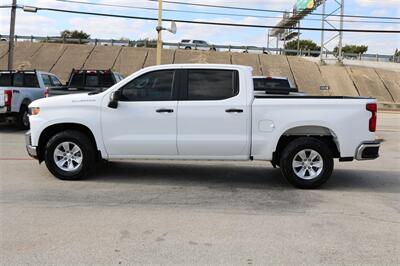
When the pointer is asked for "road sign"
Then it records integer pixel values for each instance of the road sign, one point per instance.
(304, 4)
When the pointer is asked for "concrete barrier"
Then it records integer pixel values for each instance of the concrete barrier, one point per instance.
(307, 75)
(130, 60)
(23, 53)
(248, 60)
(391, 80)
(102, 57)
(276, 65)
(202, 57)
(3, 49)
(368, 83)
(74, 56)
(338, 80)
(47, 56)
(166, 58)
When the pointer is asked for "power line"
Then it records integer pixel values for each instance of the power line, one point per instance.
(214, 13)
(265, 10)
(210, 22)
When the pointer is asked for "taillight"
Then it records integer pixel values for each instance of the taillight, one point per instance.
(7, 97)
(46, 92)
(373, 108)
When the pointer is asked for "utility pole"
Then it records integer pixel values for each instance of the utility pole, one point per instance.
(298, 39)
(340, 57)
(321, 59)
(159, 29)
(12, 35)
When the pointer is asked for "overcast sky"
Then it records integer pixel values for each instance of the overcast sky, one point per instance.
(51, 23)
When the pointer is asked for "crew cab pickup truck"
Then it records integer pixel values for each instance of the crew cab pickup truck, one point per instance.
(201, 112)
(18, 89)
(86, 80)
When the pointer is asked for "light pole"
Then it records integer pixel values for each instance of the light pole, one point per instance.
(159, 29)
(11, 36)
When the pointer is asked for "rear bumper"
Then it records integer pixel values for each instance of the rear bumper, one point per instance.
(32, 151)
(368, 151)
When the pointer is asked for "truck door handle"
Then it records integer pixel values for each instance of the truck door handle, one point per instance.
(164, 110)
(234, 110)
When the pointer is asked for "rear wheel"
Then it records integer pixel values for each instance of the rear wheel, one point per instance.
(306, 162)
(22, 118)
(69, 155)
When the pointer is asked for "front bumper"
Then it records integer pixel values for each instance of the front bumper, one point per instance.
(32, 151)
(368, 151)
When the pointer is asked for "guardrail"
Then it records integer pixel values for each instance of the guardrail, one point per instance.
(211, 47)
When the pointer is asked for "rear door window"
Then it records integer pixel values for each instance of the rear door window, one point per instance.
(208, 84)
(30, 80)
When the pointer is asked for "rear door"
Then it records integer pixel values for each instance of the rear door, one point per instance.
(212, 114)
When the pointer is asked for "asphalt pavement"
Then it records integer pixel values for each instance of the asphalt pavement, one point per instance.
(197, 213)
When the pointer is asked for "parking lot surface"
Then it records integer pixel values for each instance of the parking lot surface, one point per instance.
(145, 212)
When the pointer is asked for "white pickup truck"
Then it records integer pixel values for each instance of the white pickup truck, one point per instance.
(201, 112)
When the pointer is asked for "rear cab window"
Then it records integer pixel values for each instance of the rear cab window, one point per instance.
(262, 84)
(93, 79)
(211, 84)
(19, 79)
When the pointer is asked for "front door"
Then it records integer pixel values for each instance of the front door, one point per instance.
(144, 123)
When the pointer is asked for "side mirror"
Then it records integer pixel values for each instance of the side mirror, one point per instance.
(115, 96)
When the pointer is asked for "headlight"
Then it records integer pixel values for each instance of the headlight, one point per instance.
(34, 111)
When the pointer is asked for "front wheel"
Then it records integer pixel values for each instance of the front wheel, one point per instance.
(306, 162)
(69, 155)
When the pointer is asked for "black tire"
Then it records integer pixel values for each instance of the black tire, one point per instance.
(86, 146)
(188, 48)
(22, 118)
(291, 155)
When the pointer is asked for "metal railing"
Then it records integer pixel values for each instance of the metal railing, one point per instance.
(210, 47)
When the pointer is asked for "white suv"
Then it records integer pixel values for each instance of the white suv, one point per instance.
(197, 45)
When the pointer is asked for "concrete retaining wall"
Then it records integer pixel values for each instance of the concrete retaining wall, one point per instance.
(307, 75)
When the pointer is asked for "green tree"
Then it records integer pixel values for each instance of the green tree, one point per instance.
(304, 45)
(74, 34)
(397, 52)
(150, 43)
(352, 49)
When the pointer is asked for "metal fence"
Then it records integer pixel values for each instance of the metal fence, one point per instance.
(210, 47)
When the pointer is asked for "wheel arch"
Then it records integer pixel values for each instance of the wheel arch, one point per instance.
(322, 133)
(53, 129)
